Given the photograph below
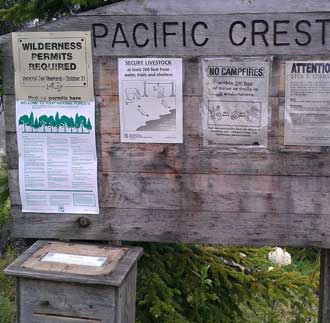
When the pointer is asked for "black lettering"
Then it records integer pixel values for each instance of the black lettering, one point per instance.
(27, 46)
(166, 33)
(79, 45)
(124, 39)
(134, 35)
(193, 33)
(214, 71)
(259, 33)
(155, 34)
(280, 32)
(184, 41)
(307, 34)
(241, 23)
(99, 35)
(323, 22)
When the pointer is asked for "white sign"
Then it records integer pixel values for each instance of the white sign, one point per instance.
(70, 259)
(57, 157)
(235, 101)
(307, 103)
(53, 66)
(150, 96)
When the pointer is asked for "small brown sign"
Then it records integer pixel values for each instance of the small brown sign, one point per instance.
(53, 66)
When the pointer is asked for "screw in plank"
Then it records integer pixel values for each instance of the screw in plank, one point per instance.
(83, 222)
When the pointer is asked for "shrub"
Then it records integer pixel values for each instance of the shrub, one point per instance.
(213, 284)
(7, 291)
(4, 192)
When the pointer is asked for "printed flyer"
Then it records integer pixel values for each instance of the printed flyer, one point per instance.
(57, 156)
(150, 98)
(235, 102)
(307, 103)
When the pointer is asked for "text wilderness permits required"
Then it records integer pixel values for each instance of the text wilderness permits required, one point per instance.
(53, 66)
(150, 98)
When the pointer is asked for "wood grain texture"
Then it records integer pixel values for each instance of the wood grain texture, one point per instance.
(209, 193)
(164, 192)
(127, 298)
(115, 278)
(45, 296)
(112, 255)
(217, 33)
(105, 71)
(184, 7)
(324, 291)
(228, 228)
(42, 301)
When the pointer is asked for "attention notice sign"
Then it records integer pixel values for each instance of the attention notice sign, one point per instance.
(53, 66)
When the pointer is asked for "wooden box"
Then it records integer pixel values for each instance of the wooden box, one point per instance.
(73, 282)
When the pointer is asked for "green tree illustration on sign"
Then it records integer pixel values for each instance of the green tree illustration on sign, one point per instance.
(43, 121)
(24, 120)
(61, 123)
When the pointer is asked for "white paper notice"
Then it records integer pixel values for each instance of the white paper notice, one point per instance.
(307, 103)
(57, 157)
(64, 258)
(150, 96)
(235, 102)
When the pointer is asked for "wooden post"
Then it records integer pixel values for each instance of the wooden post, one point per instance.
(324, 302)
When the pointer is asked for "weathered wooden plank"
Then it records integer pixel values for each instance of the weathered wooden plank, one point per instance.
(114, 156)
(116, 278)
(229, 228)
(204, 192)
(105, 70)
(43, 300)
(127, 298)
(324, 291)
(107, 115)
(184, 7)
(106, 76)
(112, 256)
(7, 73)
(108, 119)
(202, 35)
(190, 157)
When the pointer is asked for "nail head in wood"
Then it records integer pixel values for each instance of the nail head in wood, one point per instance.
(83, 222)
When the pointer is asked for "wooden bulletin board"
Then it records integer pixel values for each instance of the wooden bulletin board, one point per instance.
(187, 192)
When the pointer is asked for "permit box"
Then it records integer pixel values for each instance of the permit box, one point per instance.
(61, 282)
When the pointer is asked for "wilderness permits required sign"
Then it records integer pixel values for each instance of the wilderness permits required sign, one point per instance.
(307, 99)
(150, 96)
(235, 101)
(57, 156)
(53, 66)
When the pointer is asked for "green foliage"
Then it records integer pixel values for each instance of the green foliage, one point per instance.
(22, 11)
(4, 193)
(214, 284)
(7, 291)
